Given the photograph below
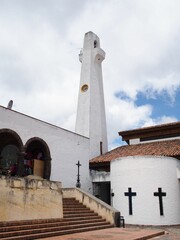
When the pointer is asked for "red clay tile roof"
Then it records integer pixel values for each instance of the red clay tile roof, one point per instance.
(170, 148)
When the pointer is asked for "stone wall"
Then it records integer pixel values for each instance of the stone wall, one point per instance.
(28, 198)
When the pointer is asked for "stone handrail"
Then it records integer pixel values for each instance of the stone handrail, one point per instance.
(101, 208)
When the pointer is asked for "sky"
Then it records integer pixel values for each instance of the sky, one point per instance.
(39, 68)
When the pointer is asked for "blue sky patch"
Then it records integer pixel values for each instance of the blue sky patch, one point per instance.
(162, 104)
(122, 95)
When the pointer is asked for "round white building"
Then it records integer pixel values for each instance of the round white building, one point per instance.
(146, 189)
(142, 177)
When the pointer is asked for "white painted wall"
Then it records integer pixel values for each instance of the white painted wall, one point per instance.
(97, 176)
(91, 119)
(145, 175)
(160, 140)
(66, 147)
(137, 140)
(134, 141)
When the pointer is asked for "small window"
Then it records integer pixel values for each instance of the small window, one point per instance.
(95, 44)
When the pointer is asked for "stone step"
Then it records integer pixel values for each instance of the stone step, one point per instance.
(57, 233)
(50, 229)
(19, 227)
(77, 218)
(74, 215)
(72, 206)
(77, 210)
(82, 218)
(65, 209)
(44, 221)
(27, 222)
(69, 199)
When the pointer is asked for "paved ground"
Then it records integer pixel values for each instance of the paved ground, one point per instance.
(129, 233)
(171, 233)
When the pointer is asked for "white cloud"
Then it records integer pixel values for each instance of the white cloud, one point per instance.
(158, 121)
(139, 43)
(39, 68)
(156, 86)
(123, 115)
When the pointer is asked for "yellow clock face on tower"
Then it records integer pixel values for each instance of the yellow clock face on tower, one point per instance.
(84, 88)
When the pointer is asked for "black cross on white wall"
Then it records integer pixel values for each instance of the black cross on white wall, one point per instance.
(78, 184)
(130, 194)
(160, 194)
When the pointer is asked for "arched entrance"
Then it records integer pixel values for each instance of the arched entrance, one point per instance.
(10, 148)
(37, 158)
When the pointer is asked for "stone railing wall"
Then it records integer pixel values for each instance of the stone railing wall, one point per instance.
(29, 198)
(95, 204)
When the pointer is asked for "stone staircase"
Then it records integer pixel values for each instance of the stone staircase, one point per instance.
(77, 218)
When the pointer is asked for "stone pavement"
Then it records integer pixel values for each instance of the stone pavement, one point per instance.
(129, 233)
(171, 233)
(113, 234)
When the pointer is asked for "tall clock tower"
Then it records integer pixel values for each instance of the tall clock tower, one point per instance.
(91, 120)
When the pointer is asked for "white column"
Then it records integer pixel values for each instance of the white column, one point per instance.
(91, 120)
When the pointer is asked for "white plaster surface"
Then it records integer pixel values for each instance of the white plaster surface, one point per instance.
(91, 120)
(145, 175)
(134, 141)
(98, 176)
(160, 140)
(178, 172)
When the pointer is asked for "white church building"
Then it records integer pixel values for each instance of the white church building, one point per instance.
(141, 179)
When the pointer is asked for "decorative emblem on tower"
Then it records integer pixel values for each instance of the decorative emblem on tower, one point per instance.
(84, 88)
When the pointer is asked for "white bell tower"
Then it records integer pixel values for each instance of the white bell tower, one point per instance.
(91, 119)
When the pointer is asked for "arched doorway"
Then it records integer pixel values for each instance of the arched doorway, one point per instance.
(37, 158)
(10, 148)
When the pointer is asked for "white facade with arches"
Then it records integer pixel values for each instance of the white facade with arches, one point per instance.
(65, 147)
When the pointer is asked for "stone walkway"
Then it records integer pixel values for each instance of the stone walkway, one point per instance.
(113, 234)
(129, 233)
(171, 233)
